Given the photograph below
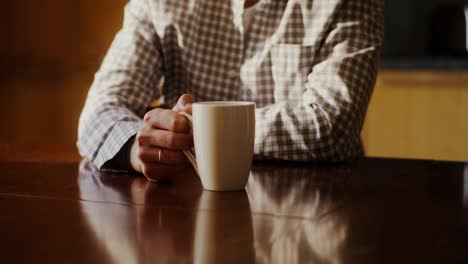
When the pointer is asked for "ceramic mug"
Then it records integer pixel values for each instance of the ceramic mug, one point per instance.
(224, 134)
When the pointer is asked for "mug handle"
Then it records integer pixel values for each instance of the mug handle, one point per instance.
(190, 154)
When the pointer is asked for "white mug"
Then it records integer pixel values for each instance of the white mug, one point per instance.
(224, 134)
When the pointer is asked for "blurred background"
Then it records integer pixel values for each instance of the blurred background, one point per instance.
(50, 50)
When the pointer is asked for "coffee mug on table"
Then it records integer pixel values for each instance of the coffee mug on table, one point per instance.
(224, 134)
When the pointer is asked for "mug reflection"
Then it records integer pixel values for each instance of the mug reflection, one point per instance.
(223, 231)
(286, 215)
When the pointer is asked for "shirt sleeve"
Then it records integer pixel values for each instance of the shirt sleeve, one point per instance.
(326, 125)
(120, 163)
(123, 87)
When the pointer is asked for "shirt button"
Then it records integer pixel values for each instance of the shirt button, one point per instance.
(233, 73)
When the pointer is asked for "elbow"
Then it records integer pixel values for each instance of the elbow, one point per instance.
(337, 139)
(340, 145)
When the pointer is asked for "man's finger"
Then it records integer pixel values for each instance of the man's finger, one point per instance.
(184, 100)
(164, 139)
(187, 109)
(168, 120)
(148, 154)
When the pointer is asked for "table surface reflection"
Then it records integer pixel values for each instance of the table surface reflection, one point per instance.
(367, 211)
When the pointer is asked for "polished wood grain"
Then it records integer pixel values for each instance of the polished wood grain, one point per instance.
(366, 211)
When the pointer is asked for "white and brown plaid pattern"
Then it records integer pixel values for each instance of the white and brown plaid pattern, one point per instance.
(309, 65)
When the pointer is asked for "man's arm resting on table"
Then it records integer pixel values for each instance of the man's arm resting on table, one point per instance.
(123, 87)
(326, 124)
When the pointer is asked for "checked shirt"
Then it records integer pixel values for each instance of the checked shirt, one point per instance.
(309, 65)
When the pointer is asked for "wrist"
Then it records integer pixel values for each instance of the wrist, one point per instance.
(134, 161)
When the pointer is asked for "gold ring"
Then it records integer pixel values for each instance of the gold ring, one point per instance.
(159, 155)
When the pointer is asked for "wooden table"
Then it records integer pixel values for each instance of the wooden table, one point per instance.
(367, 211)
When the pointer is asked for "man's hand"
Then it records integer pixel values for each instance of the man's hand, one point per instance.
(157, 149)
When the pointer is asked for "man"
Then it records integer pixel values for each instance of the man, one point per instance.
(309, 65)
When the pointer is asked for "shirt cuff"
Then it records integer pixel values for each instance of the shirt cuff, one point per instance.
(119, 136)
(121, 161)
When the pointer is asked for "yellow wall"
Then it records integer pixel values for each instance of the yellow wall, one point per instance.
(418, 115)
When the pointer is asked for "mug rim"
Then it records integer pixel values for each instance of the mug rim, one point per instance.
(224, 103)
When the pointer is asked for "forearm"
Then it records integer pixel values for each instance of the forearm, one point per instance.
(326, 121)
(302, 133)
(122, 89)
(103, 132)
(324, 125)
